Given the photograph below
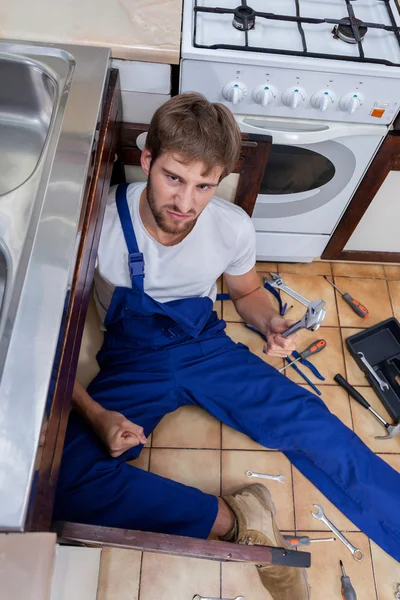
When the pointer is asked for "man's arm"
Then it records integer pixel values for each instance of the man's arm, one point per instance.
(254, 305)
(118, 433)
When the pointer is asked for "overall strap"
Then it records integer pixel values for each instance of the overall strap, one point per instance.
(135, 257)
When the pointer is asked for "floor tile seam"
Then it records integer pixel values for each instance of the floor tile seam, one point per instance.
(373, 569)
(390, 297)
(140, 576)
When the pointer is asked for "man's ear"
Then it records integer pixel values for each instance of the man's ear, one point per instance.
(145, 161)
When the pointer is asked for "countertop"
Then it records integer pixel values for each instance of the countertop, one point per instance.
(143, 30)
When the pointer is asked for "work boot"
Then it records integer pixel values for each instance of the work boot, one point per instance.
(256, 524)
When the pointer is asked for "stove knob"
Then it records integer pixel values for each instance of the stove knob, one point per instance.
(263, 94)
(323, 100)
(234, 92)
(293, 96)
(351, 102)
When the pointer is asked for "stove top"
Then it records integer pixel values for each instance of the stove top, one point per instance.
(363, 31)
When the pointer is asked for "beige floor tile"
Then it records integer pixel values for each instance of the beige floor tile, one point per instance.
(337, 400)
(387, 573)
(229, 313)
(315, 268)
(218, 308)
(392, 271)
(236, 463)
(241, 579)
(188, 427)
(325, 572)
(354, 375)
(240, 333)
(197, 468)
(347, 269)
(305, 495)
(179, 578)
(119, 574)
(312, 288)
(329, 362)
(234, 440)
(367, 427)
(373, 293)
(394, 290)
(143, 461)
(266, 267)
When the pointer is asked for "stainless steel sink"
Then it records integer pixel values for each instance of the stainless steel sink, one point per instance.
(50, 100)
(26, 104)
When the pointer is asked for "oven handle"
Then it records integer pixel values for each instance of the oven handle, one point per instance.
(293, 137)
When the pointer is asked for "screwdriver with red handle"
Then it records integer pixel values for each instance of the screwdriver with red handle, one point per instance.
(312, 349)
(359, 309)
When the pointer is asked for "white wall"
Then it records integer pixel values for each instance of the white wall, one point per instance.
(379, 229)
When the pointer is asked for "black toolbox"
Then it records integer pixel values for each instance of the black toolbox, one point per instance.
(380, 345)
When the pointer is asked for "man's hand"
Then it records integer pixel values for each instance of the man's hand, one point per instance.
(118, 433)
(276, 344)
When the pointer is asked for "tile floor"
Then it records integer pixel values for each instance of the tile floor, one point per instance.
(193, 447)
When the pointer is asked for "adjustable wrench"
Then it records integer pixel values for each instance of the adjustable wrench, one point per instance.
(382, 384)
(312, 318)
(320, 515)
(278, 283)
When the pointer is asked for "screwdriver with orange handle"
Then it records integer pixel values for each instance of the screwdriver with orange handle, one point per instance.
(304, 540)
(359, 309)
(348, 592)
(312, 349)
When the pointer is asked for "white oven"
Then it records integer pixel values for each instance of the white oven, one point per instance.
(313, 169)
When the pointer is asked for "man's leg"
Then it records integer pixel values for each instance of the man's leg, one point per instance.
(246, 393)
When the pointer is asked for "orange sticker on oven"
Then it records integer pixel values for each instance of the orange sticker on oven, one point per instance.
(377, 112)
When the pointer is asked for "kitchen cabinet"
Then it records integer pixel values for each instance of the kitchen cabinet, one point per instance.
(368, 229)
(116, 138)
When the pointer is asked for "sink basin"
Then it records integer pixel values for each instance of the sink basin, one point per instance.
(26, 106)
(50, 101)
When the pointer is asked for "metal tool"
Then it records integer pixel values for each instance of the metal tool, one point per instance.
(359, 309)
(280, 478)
(397, 593)
(304, 540)
(311, 350)
(382, 384)
(197, 597)
(320, 515)
(348, 592)
(278, 283)
(311, 320)
(392, 430)
(304, 376)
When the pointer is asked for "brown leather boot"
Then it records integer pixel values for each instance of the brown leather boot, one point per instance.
(255, 514)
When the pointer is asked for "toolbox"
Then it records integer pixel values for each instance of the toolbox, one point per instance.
(380, 345)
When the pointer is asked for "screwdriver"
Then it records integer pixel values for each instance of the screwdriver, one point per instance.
(314, 348)
(304, 540)
(359, 309)
(348, 592)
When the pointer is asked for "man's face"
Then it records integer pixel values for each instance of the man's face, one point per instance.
(177, 192)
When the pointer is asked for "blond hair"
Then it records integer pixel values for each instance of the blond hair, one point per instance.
(196, 130)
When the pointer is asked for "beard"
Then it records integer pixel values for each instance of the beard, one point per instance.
(163, 220)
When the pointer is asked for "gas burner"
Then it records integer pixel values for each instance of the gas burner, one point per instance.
(244, 18)
(344, 31)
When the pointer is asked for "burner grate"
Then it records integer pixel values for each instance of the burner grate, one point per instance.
(356, 26)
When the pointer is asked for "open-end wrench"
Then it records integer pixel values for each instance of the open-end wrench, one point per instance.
(280, 478)
(382, 384)
(278, 283)
(320, 515)
(311, 320)
(197, 597)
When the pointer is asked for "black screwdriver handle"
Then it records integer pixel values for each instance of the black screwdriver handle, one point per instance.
(358, 308)
(352, 391)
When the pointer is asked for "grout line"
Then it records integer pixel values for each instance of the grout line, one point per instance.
(373, 569)
(293, 498)
(140, 576)
(220, 578)
(390, 297)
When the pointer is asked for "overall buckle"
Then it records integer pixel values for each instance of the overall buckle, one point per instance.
(136, 264)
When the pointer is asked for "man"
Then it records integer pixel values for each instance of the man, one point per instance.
(162, 248)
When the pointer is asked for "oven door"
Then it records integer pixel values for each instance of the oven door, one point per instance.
(313, 170)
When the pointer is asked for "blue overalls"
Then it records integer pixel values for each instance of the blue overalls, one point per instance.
(157, 357)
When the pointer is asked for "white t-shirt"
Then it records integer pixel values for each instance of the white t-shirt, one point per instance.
(222, 241)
